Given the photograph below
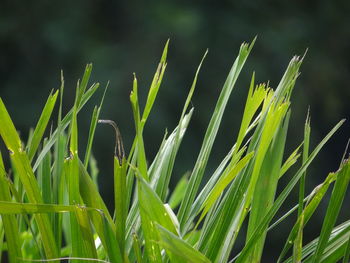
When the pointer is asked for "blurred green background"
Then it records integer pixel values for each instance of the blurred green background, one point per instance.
(39, 38)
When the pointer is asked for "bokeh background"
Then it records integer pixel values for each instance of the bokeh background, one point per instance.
(39, 38)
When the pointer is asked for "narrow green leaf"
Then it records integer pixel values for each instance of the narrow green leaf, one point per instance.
(179, 247)
(141, 157)
(58, 166)
(83, 84)
(64, 124)
(137, 248)
(291, 160)
(87, 241)
(120, 200)
(347, 252)
(8, 208)
(298, 244)
(222, 184)
(337, 197)
(93, 124)
(157, 80)
(153, 206)
(179, 192)
(9, 222)
(199, 168)
(22, 165)
(335, 248)
(41, 125)
(111, 244)
(265, 189)
(314, 200)
(281, 198)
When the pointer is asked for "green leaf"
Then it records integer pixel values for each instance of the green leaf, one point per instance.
(337, 197)
(222, 184)
(314, 200)
(265, 189)
(153, 90)
(199, 168)
(153, 206)
(9, 222)
(335, 248)
(179, 247)
(87, 241)
(41, 125)
(282, 197)
(93, 124)
(178, 194)
(141, 157)
(120, 200)
(8, 208)
(22, 165)
(111, 244)
(64, 124)
(298, 244)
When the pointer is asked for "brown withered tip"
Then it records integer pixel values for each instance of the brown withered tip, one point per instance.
(119, 147)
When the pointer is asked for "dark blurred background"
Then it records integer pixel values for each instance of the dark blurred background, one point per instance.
(39, 38)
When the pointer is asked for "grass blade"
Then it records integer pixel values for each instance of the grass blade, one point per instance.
(41, 125)
(93, 124)
(298, 244)
(281, 198)
(199, 168)
(314, 200)
(179, 248)
(179, 192)
(341, 184)
(64, 124)
(25, 172)
(9, 222)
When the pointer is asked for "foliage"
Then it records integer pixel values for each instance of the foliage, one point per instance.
(51, 208)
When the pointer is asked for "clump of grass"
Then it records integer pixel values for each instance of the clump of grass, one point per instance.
(51, 208)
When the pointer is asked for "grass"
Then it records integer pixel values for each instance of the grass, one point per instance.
(51, 208)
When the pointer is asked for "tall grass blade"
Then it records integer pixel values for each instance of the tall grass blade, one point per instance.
(265, 189)
(199, 168)
(41, 125)
(298, 244)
